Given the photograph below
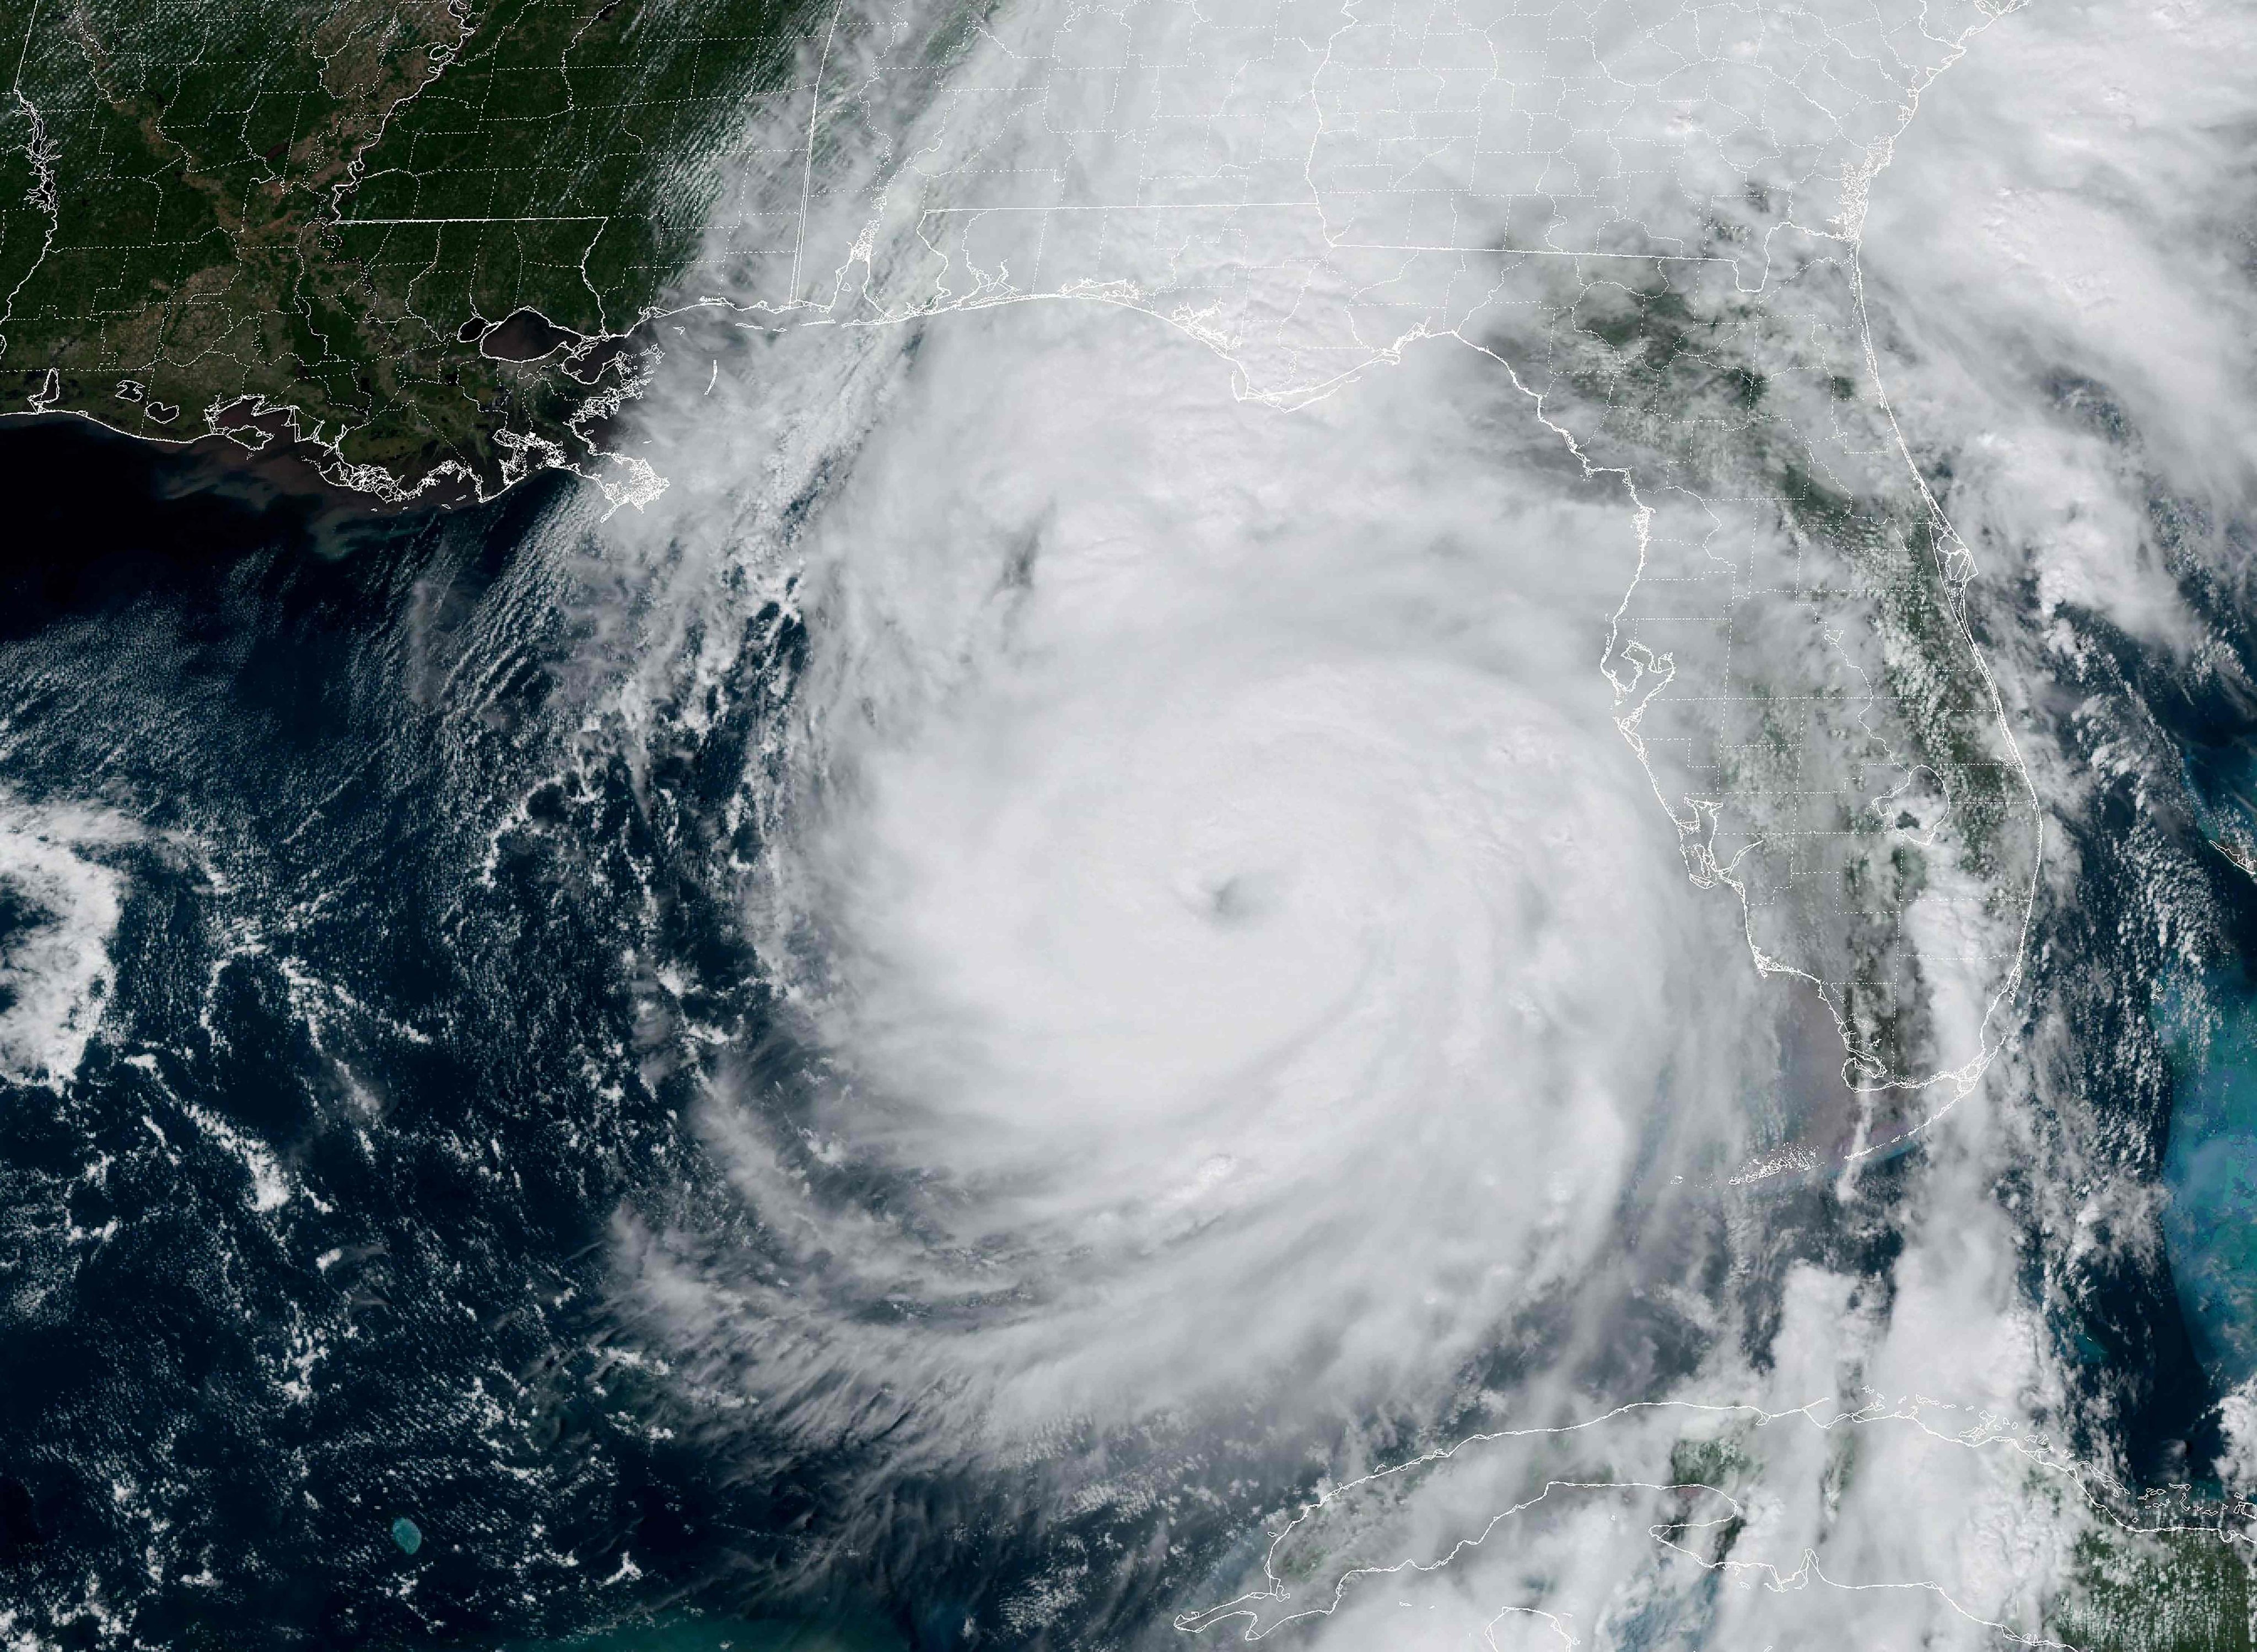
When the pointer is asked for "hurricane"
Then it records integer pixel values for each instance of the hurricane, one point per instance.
(1405, 827)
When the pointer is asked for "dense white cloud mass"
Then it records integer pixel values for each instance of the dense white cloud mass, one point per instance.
(58, 908)
(1239, 1004)
(1219, 873)
(2063, 246)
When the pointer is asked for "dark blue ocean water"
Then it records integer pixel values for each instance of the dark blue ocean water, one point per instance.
(2148, 967)
(389, 923)
(215, 1412)
(320, 1239)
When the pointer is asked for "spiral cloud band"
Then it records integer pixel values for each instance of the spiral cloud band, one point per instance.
(1234, 893)
(1256, 695)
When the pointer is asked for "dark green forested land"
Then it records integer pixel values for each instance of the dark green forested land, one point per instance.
(321, 204)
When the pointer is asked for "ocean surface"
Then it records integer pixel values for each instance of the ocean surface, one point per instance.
(427, 1215)
(351, 980)
(315, 1239)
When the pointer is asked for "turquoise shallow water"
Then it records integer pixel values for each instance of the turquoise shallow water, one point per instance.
(2210, 1225)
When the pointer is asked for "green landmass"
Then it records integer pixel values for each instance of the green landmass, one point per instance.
(317, 212)
(2167, 1592)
